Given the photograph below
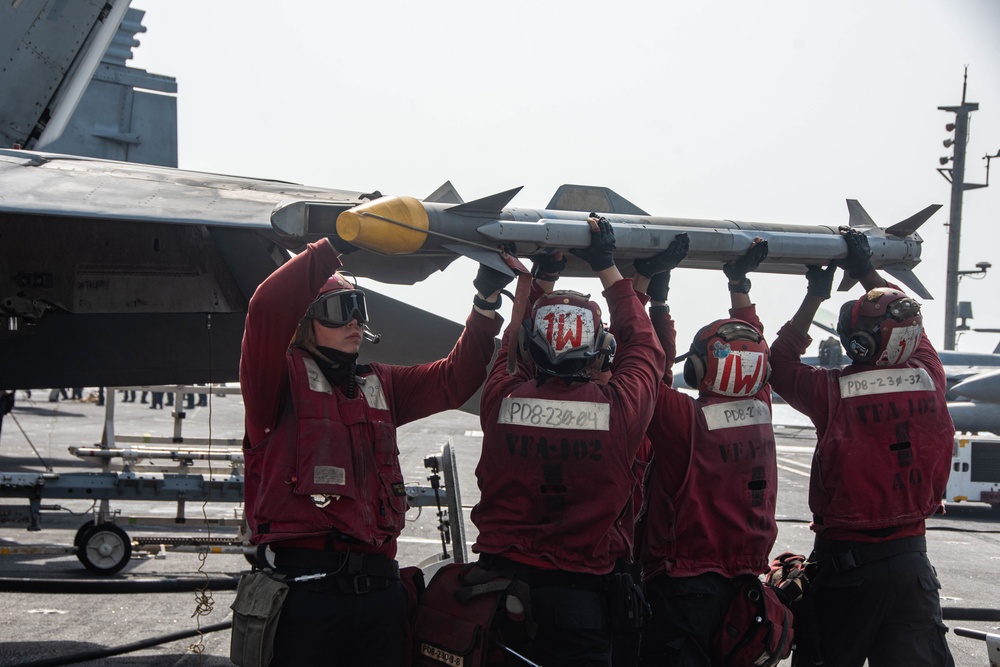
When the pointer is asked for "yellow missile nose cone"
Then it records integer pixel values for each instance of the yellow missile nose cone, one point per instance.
(388, 225)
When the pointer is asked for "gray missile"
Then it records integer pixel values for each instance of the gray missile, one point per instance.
(399, 225)
(983, 387)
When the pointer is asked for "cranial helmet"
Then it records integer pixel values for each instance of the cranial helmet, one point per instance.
(564, 336)
(728, 358)
(881, 328)
(339, 302)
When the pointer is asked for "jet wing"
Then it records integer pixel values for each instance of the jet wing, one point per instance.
(63, 185)
(125, 274)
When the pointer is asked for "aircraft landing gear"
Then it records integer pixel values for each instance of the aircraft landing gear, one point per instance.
(104, 548)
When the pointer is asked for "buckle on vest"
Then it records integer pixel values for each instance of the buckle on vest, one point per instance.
(362, 584)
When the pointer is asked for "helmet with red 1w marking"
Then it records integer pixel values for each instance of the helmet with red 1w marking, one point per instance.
(564, 336)
(728, 358)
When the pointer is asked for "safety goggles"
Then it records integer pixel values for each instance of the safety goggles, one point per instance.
(336, 309)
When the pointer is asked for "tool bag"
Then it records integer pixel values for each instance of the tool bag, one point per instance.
(459, 617)
(256, 609)
(757, 629)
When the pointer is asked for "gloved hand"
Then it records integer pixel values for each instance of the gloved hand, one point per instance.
(665, 260)
(658, 287)
(858, 262)
(341, 246)
(548, 266)
(600, 254)
(751, 259)
(820, 280)
(489, 280)
(788, 575)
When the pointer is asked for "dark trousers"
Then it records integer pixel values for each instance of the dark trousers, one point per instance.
(687, 612)
(572, 628)
(887, 611)
(570, 611)
(330, 628)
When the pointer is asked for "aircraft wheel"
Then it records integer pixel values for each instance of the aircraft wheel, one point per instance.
(104, 549)
(78, 540)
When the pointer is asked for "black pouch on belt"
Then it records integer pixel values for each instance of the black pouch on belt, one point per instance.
(256, 609)
(627, 609)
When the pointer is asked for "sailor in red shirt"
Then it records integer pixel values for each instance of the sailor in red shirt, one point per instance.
(323, 483)
(884, 443)
(709, 498)
(555, 473)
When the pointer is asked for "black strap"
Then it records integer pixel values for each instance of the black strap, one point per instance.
(372, 565)
(483, 304)
(538, 578)
(857, 554)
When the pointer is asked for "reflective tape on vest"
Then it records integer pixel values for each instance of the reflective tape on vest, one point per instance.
(736, 413)
(885, 381)
(329, 475)
(371, 387)
(317, 381)
(544, 413)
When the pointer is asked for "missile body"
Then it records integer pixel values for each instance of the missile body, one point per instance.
(984, 387)
(399, 225)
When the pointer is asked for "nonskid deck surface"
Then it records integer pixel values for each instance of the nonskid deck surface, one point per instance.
(964, 544)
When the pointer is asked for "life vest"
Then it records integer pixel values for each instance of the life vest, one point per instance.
(556, 479)
(331, 464)
(721, 519)
(885, 457)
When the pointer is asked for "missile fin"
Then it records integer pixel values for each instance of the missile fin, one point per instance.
(859, 218)
(588, 198)
(846, 283)
(904, 275)
(487, 257)
(901, 273)
(911, 224)
(445, 194)
(492, 205)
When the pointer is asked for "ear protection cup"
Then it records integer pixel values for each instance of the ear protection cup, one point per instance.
(694, 370)
(695, 366)
(605, 349)
(862, 346)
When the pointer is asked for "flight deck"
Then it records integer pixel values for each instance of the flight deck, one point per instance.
(73, 611)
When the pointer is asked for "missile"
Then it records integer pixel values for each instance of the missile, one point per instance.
(973, 417)
(405, 226)
(983, 387)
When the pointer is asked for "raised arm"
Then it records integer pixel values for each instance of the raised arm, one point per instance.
(600, 254)
(736, 272)
(858, 263)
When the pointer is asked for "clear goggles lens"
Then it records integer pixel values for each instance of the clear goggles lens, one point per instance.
(339, 308)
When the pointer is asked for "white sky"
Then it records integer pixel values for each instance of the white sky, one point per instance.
(772, 111)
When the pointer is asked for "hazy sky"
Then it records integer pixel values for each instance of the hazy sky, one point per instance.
(773, 111)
